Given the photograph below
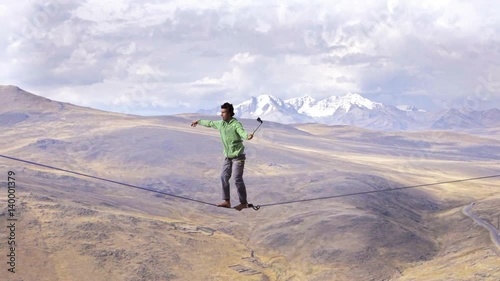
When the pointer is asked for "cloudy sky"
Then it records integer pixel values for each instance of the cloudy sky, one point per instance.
(164, 57)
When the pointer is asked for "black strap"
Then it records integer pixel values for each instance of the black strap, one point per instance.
(256, 208)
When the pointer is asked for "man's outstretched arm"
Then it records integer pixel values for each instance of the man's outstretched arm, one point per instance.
(206, 123)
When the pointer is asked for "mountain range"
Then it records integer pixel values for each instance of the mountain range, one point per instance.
(355, 110)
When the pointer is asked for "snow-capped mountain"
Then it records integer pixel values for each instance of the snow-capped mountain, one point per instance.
(302, 105)
(351, 109)
(331, 105)
(409, 108)
(355, 110)
(269, 106)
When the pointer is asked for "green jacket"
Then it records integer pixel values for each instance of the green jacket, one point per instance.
(231, 134)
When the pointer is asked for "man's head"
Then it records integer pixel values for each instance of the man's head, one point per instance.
(227, 111)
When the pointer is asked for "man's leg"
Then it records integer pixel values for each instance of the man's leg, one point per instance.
(240, 184)
(225, 176)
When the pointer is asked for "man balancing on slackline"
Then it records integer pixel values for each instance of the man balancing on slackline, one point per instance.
(232, 135)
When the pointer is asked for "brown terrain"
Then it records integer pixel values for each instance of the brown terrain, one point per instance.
(71, 227)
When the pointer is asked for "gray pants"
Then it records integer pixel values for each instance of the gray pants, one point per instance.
(237, 164)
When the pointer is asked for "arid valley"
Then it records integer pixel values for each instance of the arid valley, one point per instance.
(72, 227)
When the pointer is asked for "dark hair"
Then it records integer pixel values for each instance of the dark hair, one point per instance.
(229, 107)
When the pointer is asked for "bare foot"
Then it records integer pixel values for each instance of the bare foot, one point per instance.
(225, 204)
(241, 207)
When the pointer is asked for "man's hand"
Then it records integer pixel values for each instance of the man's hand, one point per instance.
(194, 123)
(250, 136)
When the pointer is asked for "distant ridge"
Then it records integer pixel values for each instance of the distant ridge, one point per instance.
(355, 110)
(23, 102)
(351, 109)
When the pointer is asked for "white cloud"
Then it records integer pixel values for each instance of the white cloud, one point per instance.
(3, 10)
(243, 58)
(182, 55)
(207, 81)
(262, 26)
